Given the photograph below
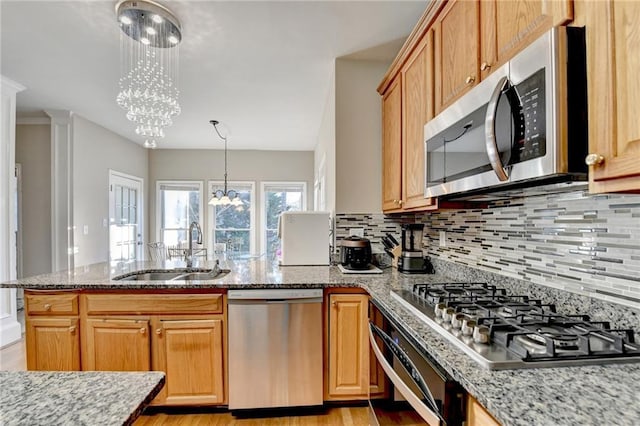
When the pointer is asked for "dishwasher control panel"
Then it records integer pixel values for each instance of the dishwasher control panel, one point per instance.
(270, 294)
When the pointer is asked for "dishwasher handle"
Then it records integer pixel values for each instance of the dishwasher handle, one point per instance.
(273, 301)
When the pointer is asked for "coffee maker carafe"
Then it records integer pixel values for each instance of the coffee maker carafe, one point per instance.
(412, 260)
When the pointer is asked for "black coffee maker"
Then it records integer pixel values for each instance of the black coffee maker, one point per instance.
(411, 260)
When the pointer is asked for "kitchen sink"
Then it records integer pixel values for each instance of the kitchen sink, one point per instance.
(174, 275)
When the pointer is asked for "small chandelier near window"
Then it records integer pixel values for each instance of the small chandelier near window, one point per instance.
(226, 196)
(149, 66)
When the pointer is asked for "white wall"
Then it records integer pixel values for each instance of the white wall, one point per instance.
(33, 152)
(358, 136)
(249, 165)
(325, 152)
(95, 151)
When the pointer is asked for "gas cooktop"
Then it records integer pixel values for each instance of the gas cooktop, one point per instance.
(502, 331)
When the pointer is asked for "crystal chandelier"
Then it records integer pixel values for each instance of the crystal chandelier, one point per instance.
(149, 67)
(227, 196)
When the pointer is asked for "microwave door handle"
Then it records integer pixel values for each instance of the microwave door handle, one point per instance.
(490, 131)
(428, 414)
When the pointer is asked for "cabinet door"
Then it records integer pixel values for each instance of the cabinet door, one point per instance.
(348, 346)
(53, 344)
(477, 415)
(417, 109)
(612, 76)
(509, 26)
(392, 148)
(190, 352)
(116, 345)
(457, 49)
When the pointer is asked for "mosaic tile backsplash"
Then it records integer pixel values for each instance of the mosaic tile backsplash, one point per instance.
(571, 241)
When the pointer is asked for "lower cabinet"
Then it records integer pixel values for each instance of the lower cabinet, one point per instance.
(351, 372)
(116, 345)
(190, 351)
(477, 415)
(53, 344)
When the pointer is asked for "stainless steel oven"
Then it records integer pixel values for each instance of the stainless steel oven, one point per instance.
(523, 125)
(421, 392)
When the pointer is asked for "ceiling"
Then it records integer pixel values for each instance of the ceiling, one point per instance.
(262, 68)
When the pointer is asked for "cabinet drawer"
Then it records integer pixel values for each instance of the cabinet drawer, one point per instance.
(52, 304)
(154, 303)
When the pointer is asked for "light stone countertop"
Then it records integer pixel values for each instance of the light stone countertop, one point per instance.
(89, 398)
(588, 395)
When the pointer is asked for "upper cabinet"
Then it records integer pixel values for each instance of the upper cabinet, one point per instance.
(457, 48)
(392, 147)
(474, 37)
(613, 66)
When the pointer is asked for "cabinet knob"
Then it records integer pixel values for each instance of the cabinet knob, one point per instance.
(594, 159)
(401, 202)
(484, 66)
(72, 329)
(143, 330)
(47, 307)
(470, 79)
(158, 331)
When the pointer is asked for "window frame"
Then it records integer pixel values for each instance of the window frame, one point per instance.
(263, 206)
(160, 183)
(252, 216)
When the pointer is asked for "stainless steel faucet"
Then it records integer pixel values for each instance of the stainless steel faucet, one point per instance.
(188, 256)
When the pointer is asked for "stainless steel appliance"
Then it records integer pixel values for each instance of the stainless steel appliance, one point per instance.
(422, 393)
(524, 124)
(412, 260)
(275, 338)
(355, 252)
(502, 331)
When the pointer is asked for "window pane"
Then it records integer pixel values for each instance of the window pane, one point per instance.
(279, 198)
(179, 206)
(237, 242)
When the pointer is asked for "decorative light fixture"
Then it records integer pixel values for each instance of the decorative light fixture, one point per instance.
(226, 196)
(149, 66)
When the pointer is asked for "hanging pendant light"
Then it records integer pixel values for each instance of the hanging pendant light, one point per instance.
(149, 66)
(225, 197)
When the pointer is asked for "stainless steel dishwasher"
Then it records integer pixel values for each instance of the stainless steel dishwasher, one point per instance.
(275, 348)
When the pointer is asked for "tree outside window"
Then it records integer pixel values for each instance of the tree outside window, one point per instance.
(233, 225)
(278, 198)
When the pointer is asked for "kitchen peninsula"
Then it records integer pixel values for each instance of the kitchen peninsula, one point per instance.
(596, 394)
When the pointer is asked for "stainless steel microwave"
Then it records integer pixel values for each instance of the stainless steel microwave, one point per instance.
(525, 124)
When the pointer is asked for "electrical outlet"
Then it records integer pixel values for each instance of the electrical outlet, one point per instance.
(359, 232)
(443, 239)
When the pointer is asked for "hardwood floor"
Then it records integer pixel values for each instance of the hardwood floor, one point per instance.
(13, 357)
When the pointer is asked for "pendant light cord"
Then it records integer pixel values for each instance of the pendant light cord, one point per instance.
(215, 122)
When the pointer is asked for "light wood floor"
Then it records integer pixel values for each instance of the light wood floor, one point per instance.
(13, 357)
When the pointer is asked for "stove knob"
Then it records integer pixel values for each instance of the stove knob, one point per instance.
(467, 326)
(481, 334)
(439, 309)
(448, 314)
(457, 320)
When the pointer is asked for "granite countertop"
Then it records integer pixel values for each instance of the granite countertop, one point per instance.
(585, 395)
(75, 398)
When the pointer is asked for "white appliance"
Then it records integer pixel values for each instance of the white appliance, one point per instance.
(304, 238)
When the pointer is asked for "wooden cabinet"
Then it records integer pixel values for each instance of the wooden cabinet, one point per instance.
(53, 344)
(474, 37)
(457, 49)
(116, 345)
(52, 332)
(190, 352)
(407, 105)
(477, 415)
(352, 371)
(613, 67)
(417, 109)
(392, 147)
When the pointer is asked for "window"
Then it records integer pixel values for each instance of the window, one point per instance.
(279, 197)
(178, 204)
(230, 225)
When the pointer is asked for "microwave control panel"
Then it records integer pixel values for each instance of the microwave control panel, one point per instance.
(530, 142)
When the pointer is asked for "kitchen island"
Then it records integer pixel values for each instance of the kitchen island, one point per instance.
(600, 394)
(75, 398)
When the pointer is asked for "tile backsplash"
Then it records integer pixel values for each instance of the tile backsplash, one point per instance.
(571, 241)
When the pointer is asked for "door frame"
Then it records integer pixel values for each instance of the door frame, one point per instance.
(114, 177)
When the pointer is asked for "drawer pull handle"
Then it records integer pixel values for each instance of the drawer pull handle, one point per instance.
(470, 79)
(47, 306)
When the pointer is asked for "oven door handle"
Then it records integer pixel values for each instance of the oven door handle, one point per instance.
(427, 409)
(490, 131)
